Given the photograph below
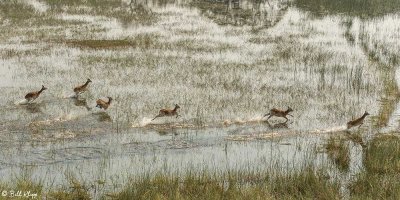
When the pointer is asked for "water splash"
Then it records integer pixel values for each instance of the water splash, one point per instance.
(21, 102)
(71, 116)
(144, 122)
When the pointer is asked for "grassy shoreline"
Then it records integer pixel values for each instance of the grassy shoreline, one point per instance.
(379, 179)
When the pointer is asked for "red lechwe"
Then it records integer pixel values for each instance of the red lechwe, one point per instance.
(357, 122)
(279, 113)
(82, 88)
(100, 103)
(31, 96)
(168, 112)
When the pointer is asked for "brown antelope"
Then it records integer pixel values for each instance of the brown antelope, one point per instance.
(357, 122)
(100, 103)
(31, 96)
(168, 112)
(82, 88)
(279, 113)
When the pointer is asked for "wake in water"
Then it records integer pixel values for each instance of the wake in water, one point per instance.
(65, 117)
(243, 121)
(145, 121)
(266, 136)
(148, 122)
(330, 130)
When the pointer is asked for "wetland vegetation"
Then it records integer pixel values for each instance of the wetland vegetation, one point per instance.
(226, 64)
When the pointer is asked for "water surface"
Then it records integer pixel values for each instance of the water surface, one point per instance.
(225, 68)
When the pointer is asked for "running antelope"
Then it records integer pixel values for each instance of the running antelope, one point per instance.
(168, 112)
(100, 103)
(279, 113)
(82, 88)
(31, 96)
(357, 122)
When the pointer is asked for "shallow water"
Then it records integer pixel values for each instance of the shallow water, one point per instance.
(223, 72)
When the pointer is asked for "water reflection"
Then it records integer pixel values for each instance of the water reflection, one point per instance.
(280, 125)
(102, 116)
(262, 14)
(393, 117)
(33, 108)
(81, 102)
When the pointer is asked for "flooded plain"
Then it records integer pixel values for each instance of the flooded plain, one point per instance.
(225, 66)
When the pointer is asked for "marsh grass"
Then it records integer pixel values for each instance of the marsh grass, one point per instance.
(139, 41)
(360, 8)
(207, 184)
(121, 10)
(302, 184)
(380, 178)
(17, 12)
(216, 72)
(24, 185)
(373, 50)
(194, 51)
(74, 190)
(383, 155)
(374, 186)
(101, 44)
(93, 3)
(338, 150)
